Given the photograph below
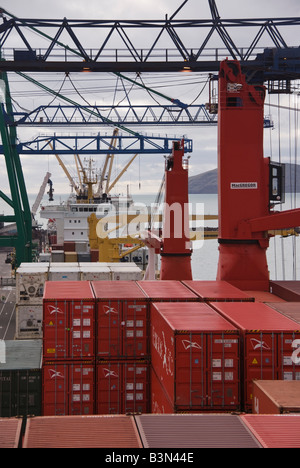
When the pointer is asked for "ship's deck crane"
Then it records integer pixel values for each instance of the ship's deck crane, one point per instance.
(249, 184)
(175, 246)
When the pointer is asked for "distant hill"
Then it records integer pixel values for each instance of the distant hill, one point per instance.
(207, 182)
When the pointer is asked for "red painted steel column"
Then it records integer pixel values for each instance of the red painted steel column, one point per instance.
(176, 250)
(243, 180)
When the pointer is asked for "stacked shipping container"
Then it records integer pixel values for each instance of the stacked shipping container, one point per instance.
(172, 432)
(107, 341)
(21, 378)
(68, 348)
(195, 359)
(267, 339)
(122, 348)
(30, 281)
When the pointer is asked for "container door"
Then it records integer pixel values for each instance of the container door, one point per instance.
(260, 361)
(223, 371)
(56, 330)
(82, 329)
(190, 373)
(135, 329)
(7, 394)
(109, 387)
(29, 392)
(136, 387)
(55, 389)
(81, 388)
(109, 343)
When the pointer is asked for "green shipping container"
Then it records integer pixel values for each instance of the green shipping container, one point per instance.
(20, 378)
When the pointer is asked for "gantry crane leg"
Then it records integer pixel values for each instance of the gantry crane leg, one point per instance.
(18, 199)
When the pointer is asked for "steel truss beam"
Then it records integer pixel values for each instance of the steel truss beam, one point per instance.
(99, 145)
(122, 114)
(182, 55)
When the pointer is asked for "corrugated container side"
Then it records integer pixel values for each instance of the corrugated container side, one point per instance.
(10, 433)
(95, 273)
(94, 255)
(194, 431)
(69, 246)
(21, 379)
(276, 397)
(160, 403)
(84, 257)
(122, 387)
(287, 290)
(122, 320)
(57, 256)
(71, 257)
(30, 284)
(289, 309)
(29, 321)
(55, 329)
(275, 431)
(82, 432)
(167, 291)
(68, 388)
(213, 291)
(130, 273)
(195, 354)
(68, 320)
(264, 296)
(267, 344)
(64, 273)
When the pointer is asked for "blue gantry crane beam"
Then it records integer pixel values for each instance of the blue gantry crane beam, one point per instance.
(133, 115)
(99, 144)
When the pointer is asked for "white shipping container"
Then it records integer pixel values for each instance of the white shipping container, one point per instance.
(129, 273)
(29, 319)
(30, 284)
(45, 257)
(57, 256)
(34, 265)
(95, 273)
(64, 274)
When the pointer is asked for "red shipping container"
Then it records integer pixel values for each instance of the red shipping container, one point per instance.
(68, 388)
(214, 291)
(122, 387)
(274, 430)
(82, 432)
(264, 296)
(267, 344)
(195, 354)
(167, 291)
(287, 290)
(276, 396)
(123, 320)
(94, 255)
(69, 246)
(289, 309)
(68, 320)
